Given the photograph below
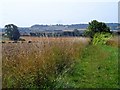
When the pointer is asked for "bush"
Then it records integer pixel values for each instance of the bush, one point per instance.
(21, 39)
(96, 27)
(29, 41)
(101, 38)
(3, 41)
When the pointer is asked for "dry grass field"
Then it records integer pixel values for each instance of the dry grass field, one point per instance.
(54, 39)
(115, 41)
(24, 61)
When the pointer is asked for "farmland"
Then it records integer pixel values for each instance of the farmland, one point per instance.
(66, 62)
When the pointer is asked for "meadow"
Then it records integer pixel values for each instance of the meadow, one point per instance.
(69, 62)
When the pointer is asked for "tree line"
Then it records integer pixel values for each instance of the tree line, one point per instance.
(12, 32)
(73, 33)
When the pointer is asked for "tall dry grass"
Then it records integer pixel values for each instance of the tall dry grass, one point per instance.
(115, 41)
(38, 65)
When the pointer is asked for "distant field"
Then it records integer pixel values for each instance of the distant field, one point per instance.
(50, 39)
(54, 38)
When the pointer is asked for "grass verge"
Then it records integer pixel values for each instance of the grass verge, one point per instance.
(97, 68)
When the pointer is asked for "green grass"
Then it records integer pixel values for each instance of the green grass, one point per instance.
(97, 68)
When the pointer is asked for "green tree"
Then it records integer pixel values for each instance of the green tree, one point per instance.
(95, 27)
(76, 32)
(12, 32)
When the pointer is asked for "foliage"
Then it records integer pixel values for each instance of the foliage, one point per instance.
(101, 38)
(21, 39)
(12, 32)
(95, 26)
(76, 32)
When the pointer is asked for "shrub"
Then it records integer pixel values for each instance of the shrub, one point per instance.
(3, 41)
(21, 39)
(29, 41)
(101, 38)
(96, 27)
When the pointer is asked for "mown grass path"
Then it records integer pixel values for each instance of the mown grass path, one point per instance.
(97, 68)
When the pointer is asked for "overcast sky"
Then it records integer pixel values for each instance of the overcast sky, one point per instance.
(25, 13)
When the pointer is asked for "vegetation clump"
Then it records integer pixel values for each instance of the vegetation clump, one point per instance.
(12, 32)
(96, 27)
(99, 32)
(101, 38)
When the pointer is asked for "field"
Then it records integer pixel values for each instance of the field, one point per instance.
(69, 62)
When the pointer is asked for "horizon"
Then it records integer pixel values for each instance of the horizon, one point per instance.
(59, 24)
(27, 13)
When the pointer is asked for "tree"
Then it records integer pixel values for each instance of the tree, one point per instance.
(12, 32)
(76, 32)
(95, 27)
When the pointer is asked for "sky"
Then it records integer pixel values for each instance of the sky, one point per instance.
(25, 13)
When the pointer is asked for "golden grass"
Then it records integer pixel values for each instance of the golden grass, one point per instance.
(30, 64)
(114, 41)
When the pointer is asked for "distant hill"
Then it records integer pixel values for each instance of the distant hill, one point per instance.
(59, 27)
(113, 26)
(24, 31)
